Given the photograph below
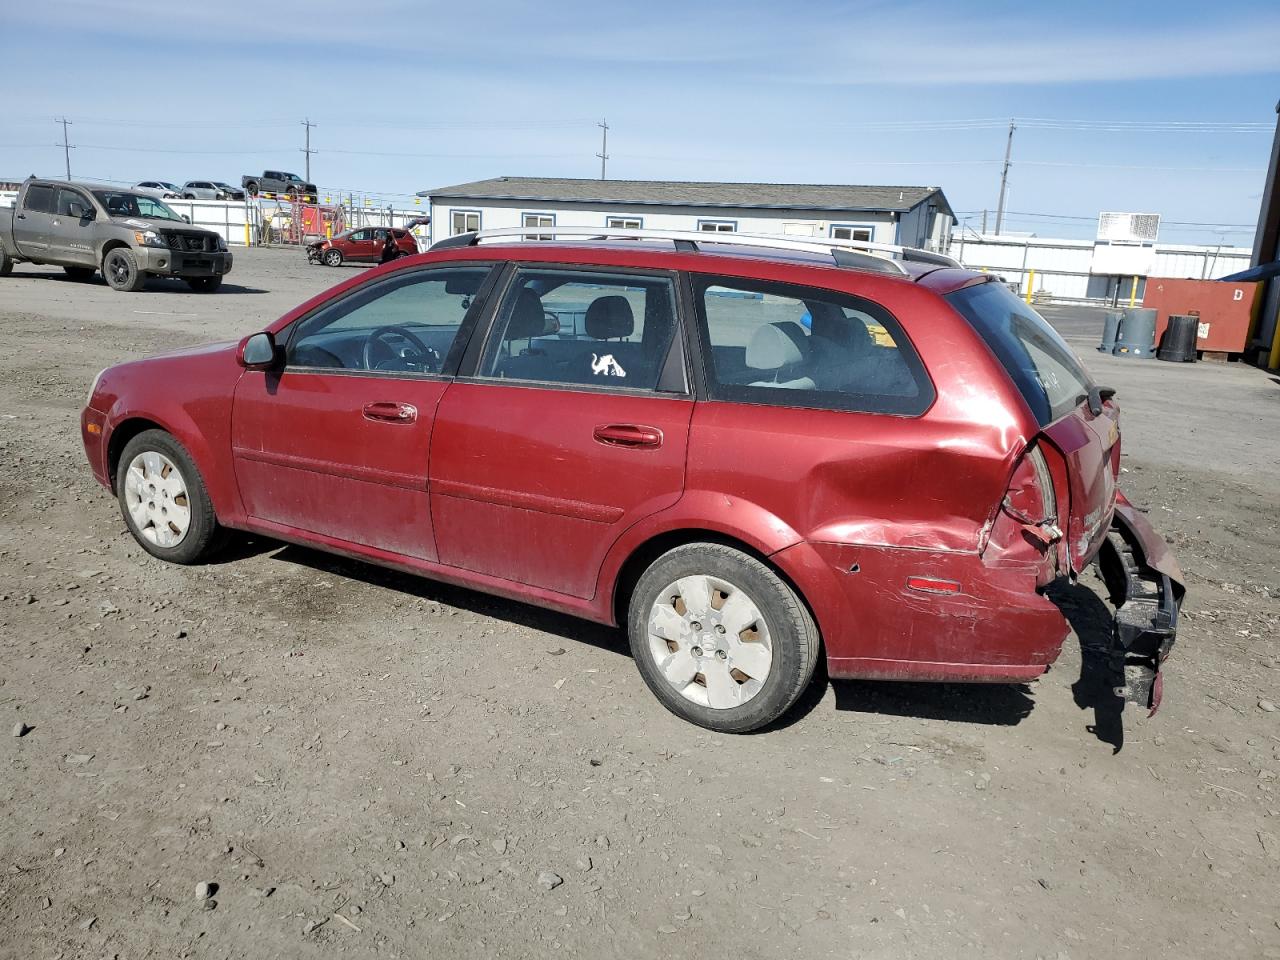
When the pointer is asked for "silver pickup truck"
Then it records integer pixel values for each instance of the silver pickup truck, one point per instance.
(129, 236)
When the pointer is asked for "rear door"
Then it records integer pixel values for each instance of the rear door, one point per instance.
(1063, 398)
(559, 441)
(32, 221)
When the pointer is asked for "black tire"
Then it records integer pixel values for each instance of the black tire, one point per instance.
(188, 196)
(80, 274)
(251, 188)
(203, 534)
(120, 268)
(794, 637)
(6, 263)
(205, 284)
(332, 257)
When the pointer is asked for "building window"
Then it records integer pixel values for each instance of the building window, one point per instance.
(465, 221)
(539, 220)
(624, 223)
(718, 226)
(847, 231)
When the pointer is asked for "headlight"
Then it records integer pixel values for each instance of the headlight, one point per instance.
(222, 242)
(93, 387)
(149, 238)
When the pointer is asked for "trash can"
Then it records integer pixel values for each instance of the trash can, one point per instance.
(1178, 345)
(1137, 337)
(1110, 330)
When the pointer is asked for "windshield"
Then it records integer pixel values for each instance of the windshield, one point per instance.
(1047, 373)
(219, 183)
(122, 204)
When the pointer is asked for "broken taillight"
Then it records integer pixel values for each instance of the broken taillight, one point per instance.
(1026, 524)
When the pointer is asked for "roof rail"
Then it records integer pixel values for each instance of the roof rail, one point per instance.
(858, 254)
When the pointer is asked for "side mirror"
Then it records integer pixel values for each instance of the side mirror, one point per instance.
(257, 352)
(79, 211)
(185, 218)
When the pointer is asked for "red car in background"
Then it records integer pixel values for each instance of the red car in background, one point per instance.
(361, 245)
(747, 457)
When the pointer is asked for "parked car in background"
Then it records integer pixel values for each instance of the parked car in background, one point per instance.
(362, 245)
(129, 236)
(210, 190)
(158, 188)
(280, 183)
(648, 436)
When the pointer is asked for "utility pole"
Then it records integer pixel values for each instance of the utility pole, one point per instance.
(307, 149)
(984, 222)
(66, 144)
(604, 145)
(1004, 178)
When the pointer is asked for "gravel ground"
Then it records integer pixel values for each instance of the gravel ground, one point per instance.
(361, 763)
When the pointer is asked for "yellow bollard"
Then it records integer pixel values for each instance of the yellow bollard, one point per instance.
(1031, 284)
(1133, 292)
(246, 233)
(328, 231)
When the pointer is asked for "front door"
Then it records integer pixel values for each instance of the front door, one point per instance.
(336, 443)
(573, 427)
(71, 237)
(359, 245)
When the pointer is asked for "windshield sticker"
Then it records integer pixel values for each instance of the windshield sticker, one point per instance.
(606, 365)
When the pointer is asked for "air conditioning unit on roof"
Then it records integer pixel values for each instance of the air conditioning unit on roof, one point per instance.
(1128, 227)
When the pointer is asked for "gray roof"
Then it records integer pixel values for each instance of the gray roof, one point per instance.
(685, 193)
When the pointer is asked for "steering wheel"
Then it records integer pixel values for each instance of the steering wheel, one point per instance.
(427, 358)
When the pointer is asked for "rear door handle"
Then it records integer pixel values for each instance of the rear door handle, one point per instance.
(391, 412)
(628, 435)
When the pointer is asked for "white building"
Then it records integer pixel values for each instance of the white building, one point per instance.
(911, 216)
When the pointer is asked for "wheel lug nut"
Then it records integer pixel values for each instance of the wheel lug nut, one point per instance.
(719, 628)
(697, 625)
(696, 651)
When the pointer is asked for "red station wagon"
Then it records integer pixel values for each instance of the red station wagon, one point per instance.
(750, 452)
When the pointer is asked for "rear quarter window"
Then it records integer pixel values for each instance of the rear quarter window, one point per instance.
(1045, 370)
(798, 346)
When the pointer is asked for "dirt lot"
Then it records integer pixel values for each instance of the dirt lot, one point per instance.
(370, 765)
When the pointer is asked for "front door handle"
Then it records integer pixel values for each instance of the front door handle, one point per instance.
(628, 435)
(391, 412)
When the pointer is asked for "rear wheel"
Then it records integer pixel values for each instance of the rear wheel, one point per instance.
(6, 263)
(251, 188)
(80, 274)
(164, 500)
(205, 284)
(333, 257)
(720, 638)
(121, 270)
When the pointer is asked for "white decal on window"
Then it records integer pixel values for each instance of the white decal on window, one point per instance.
(606, 365)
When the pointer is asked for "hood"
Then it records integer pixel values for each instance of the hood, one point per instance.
(199, 350)
(159, 226)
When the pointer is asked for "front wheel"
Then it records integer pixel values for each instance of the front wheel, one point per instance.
(80, 274)
(720, 638)
(120, 267)
(205, 284)
(333, 258)
(164, 500)
(6, 263)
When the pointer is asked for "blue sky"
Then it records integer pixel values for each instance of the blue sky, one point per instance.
(410, 95)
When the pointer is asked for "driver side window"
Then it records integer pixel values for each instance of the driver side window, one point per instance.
(405, 324)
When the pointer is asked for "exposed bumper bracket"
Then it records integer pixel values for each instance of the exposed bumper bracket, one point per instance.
(1146, 619)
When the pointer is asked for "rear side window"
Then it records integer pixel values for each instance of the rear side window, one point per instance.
(39, 199)
(1046, 372)
(798, 346)
(584, 328)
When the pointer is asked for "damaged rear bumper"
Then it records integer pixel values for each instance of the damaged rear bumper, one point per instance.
(1147, 587)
